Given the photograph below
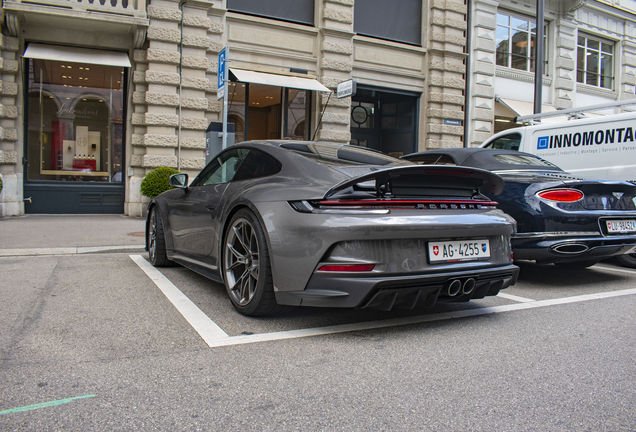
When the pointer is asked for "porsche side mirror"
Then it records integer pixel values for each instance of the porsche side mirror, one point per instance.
(179, 181)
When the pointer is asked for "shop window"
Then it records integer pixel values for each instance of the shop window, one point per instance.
(595, 62)
(263, 112)
(75, 121)
(384, 20)
(516, 42)
(296, 113)
(299, 11)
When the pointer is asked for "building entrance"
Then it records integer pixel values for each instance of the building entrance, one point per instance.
(384, 121)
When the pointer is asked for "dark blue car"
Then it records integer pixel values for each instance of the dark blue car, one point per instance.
(561, 219)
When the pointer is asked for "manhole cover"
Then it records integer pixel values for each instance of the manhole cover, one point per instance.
(137, 234)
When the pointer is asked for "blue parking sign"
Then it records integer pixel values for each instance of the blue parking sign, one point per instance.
(221, 73)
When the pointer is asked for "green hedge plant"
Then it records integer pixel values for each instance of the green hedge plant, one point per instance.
(156, 181)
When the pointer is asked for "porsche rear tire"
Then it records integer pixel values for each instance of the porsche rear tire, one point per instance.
(246, 268)
(627, 260)
(157, 241)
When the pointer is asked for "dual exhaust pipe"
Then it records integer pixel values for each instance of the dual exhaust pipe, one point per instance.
(456, 286)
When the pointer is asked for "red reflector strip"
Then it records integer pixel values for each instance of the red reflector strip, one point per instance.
(388, 203)
(561, 195)
(348, 268)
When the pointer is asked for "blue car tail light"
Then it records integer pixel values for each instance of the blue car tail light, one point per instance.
(561, 195)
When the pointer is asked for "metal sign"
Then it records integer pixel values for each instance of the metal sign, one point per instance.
(453, 122)
(346, 88)
(222, 73)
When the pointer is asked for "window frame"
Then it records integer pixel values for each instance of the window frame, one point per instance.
(585, 73)
(530, 59)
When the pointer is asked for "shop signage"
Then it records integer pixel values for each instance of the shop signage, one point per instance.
(346, 88)
(68, 111)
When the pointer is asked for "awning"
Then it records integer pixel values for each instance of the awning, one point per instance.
(278, 80)
(521, 108)
(76, 55)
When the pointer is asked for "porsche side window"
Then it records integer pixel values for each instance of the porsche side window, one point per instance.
(256, 164)
(223, 168)
(506, 142)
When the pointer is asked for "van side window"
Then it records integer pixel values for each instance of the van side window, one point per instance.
(506, 142)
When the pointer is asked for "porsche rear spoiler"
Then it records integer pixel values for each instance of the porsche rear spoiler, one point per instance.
(424, 180)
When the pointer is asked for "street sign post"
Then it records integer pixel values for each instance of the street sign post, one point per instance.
(222, 84)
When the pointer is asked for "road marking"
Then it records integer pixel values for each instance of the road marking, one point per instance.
(44, 405)
(263, 337)
(214, 336)
(514, 298)
(614, 269)
(207, 328)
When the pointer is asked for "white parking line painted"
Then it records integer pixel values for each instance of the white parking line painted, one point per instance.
(214, 336)
(614, 269)
(209, 331)
(514, 298)
(291, 334)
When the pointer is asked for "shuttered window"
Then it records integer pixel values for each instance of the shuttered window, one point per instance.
(396, 21)
(298, 11)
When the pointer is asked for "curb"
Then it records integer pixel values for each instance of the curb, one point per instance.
(69, 250)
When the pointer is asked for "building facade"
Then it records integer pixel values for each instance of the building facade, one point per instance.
(97, 93)
(589, 59)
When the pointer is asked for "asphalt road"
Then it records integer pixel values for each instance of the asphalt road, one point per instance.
(91, 342)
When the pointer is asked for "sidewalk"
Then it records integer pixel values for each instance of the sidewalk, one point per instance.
(70, 234)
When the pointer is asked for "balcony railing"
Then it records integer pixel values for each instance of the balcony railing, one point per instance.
(132, 8)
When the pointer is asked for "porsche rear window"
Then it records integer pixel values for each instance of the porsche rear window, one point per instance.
(335, 154)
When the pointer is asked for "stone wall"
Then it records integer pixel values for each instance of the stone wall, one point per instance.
(446, 74)
(11, 200)
(171, 98)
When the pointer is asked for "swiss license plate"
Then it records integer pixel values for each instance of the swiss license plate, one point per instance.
(458, 250)
(621, 226)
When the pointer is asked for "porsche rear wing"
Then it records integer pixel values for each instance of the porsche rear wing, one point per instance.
(423, 181)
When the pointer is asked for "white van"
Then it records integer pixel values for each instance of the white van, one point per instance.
(602, 147)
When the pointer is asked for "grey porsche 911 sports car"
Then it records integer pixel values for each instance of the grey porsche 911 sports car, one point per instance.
(330, 225)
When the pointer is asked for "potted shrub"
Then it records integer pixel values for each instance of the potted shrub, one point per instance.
(156, 181)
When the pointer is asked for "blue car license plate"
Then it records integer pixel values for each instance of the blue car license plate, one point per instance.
(621, 226)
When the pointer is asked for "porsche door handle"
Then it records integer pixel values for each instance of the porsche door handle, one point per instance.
(211, 207)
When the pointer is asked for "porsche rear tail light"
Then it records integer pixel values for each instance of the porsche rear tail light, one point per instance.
(561, 195)
(385, 204)
(348, 268)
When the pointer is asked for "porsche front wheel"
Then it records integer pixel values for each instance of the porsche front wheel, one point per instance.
(246, 268)
(156, 241)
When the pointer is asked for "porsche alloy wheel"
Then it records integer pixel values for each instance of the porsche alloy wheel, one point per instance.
(246, 269)
(156, 241)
